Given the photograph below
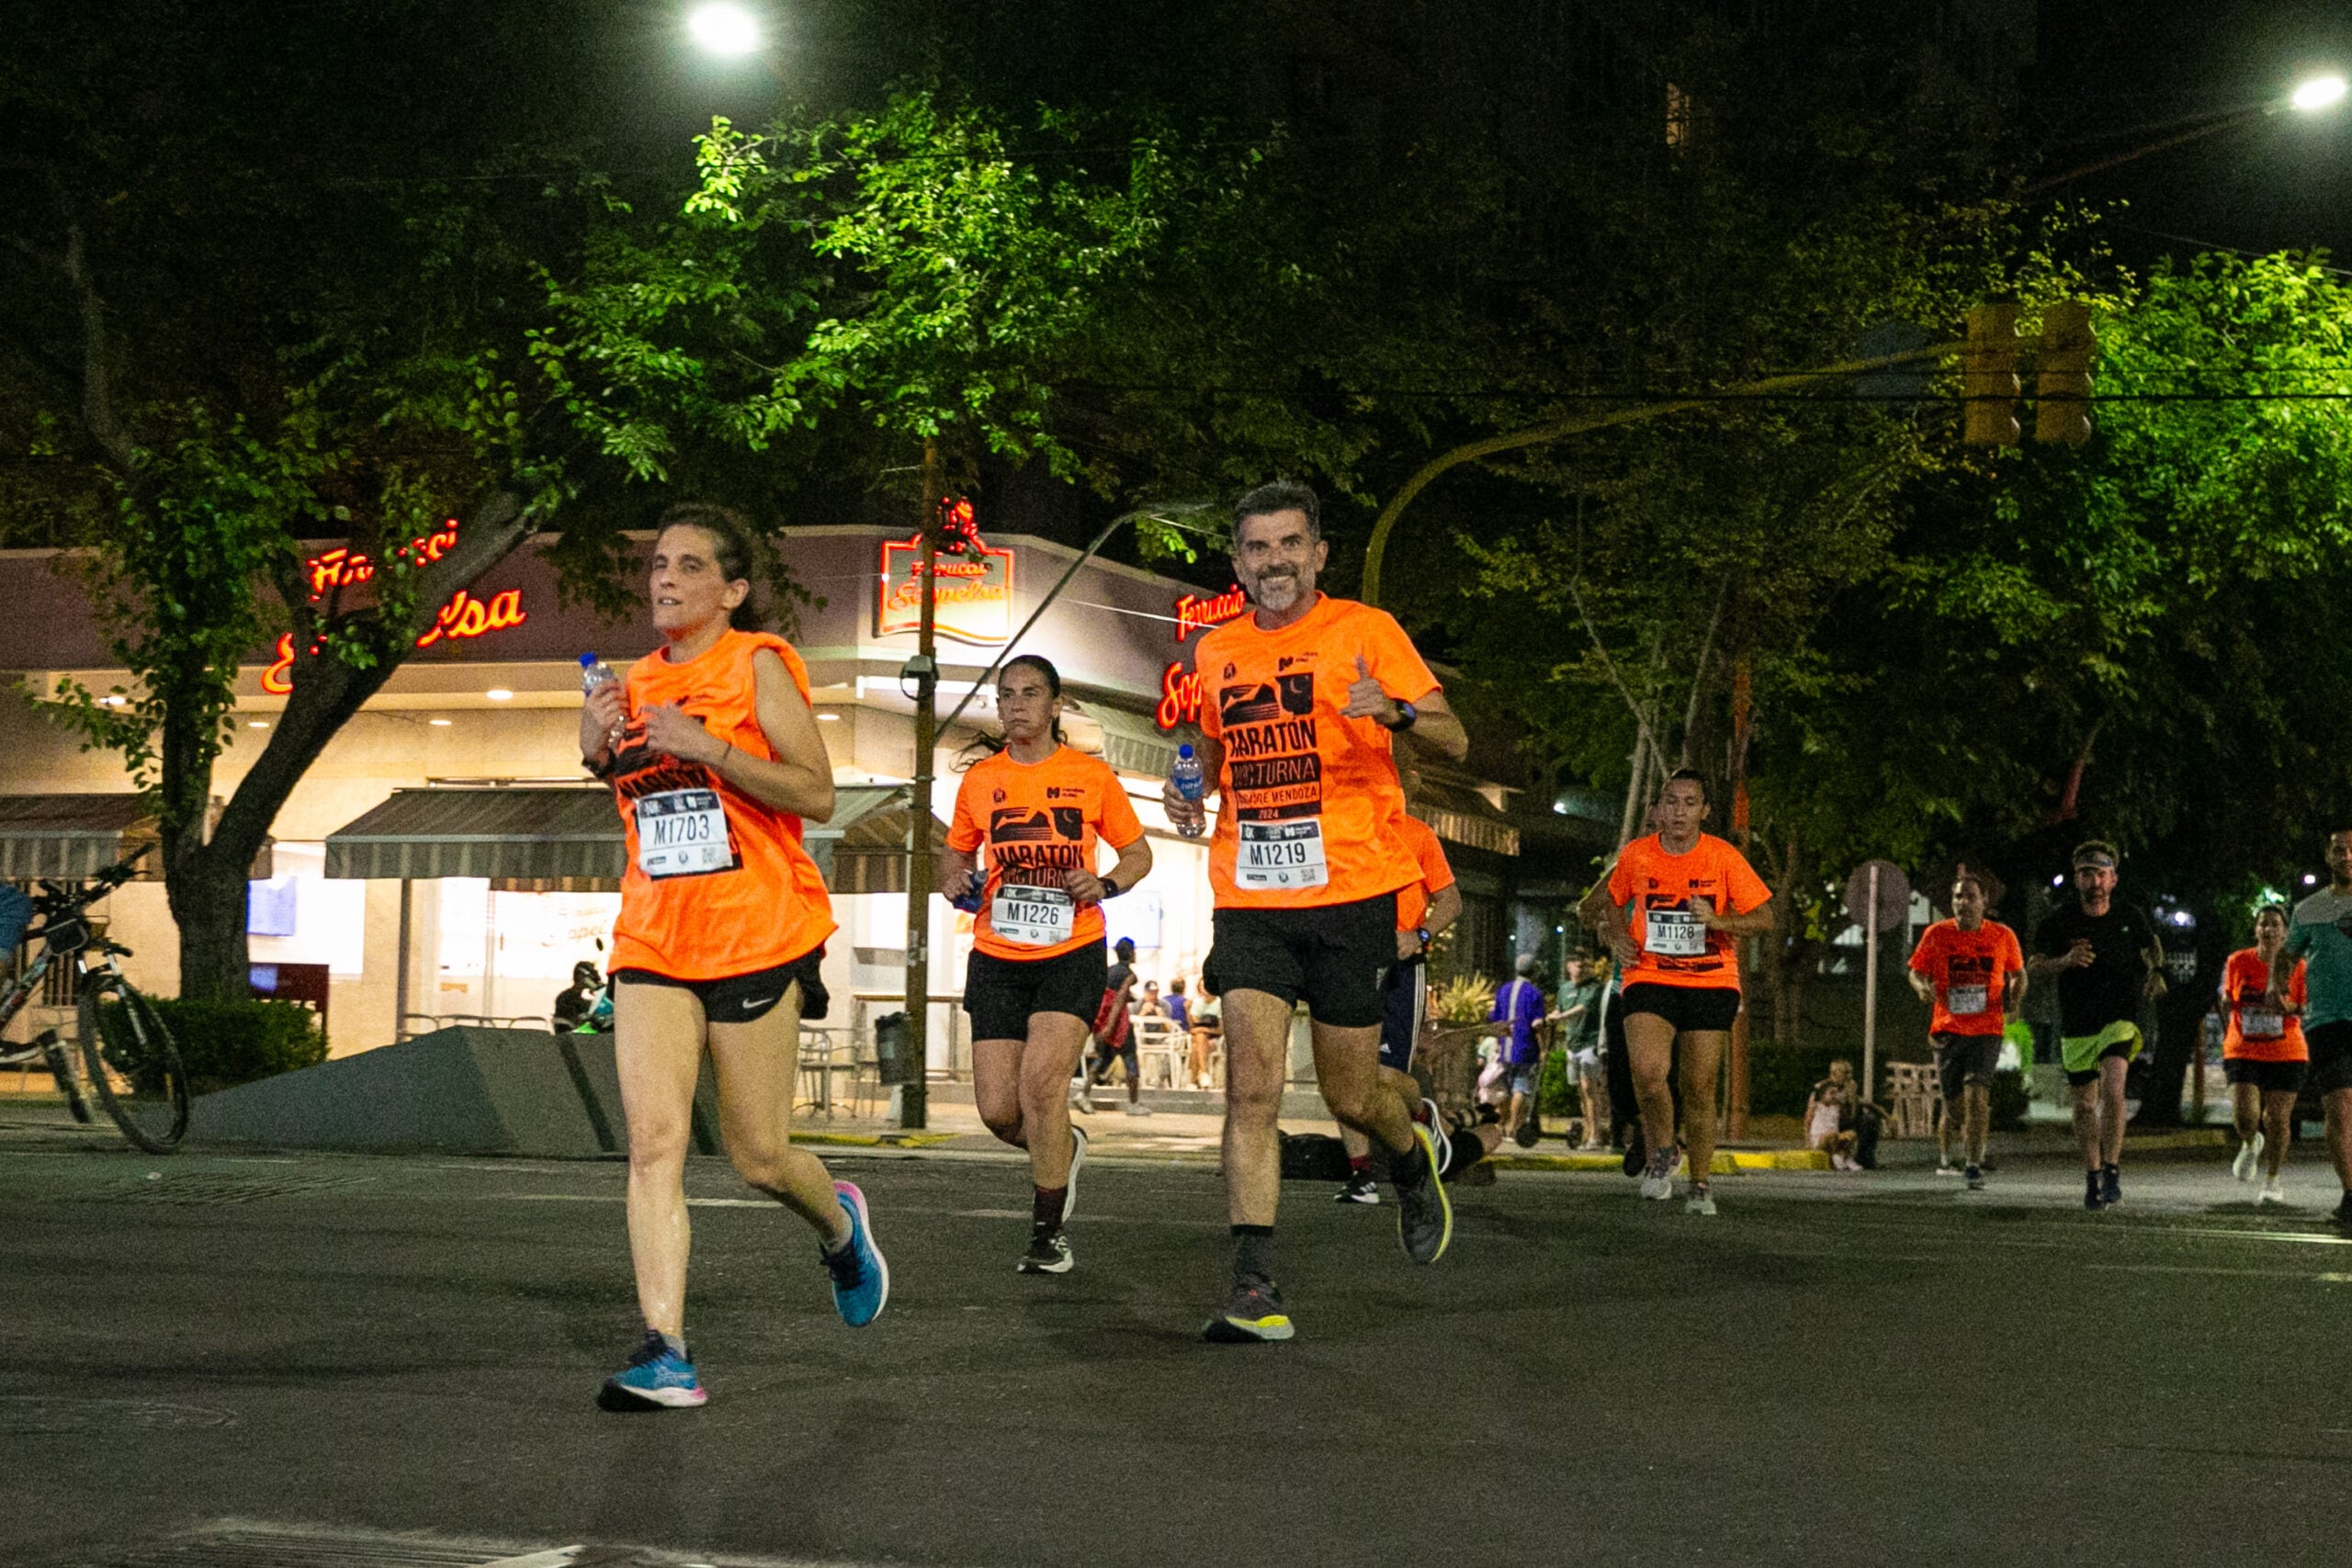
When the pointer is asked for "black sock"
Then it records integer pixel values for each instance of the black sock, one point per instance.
(1409, 1168)
(1253, 1251)
(1045, 1209)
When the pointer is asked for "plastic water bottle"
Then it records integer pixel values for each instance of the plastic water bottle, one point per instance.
(595, 672)
(968, 900)
(1191, 783)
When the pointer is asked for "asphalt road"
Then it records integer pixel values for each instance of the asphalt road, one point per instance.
(1833, 1370)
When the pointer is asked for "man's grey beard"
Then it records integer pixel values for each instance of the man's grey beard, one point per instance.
(1276, 593)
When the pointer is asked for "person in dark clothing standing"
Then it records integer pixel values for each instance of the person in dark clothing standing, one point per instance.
(2107, 960)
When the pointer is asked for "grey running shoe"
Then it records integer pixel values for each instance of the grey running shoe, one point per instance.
(1047, 1254)
(1657, 1176)
(1252, 1315)
(1360, 1188)
(1976, 1178)
(1702, 1199)
(1424, 1214)
(1428, 1117)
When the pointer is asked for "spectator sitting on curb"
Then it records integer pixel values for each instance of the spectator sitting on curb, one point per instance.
(1828, 1114)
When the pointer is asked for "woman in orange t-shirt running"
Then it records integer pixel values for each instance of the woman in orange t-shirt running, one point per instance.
(1038, 972)
(2263, 1052)
(715, 758)
(1683, 900)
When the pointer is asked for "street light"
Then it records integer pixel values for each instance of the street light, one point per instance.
(724, 30)
(2319, 93)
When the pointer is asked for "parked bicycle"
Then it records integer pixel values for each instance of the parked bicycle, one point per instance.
(121, 1054)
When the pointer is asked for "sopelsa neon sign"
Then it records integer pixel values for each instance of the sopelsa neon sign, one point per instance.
(463, 618)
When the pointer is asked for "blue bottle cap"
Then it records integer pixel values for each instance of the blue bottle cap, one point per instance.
(1185, 752)
(586, 659)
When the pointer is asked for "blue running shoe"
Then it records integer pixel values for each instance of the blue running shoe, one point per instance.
(860, 1279)
(657, 1378)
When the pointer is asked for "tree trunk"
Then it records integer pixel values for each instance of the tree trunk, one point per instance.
(205, 874)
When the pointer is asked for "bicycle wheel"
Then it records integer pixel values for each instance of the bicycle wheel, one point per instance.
(134, 1066)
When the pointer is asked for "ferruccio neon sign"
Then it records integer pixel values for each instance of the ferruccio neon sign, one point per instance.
(462, 617)
(1180, 689)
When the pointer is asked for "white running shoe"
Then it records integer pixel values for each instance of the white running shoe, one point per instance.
(1657, 1176)
(1069, 1182)
(2249, 1152)
(1079, 1099)
(1703, 1200)
(1137, 1108)
(2272, 1193)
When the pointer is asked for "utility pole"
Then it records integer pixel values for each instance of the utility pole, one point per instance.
(914, 1091)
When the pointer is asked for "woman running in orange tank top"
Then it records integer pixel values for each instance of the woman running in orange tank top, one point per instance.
(715, 759)
(1038, 971)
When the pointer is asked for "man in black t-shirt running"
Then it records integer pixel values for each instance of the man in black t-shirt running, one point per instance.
(2107, 960)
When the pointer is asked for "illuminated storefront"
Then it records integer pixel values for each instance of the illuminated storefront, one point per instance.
(498, 868)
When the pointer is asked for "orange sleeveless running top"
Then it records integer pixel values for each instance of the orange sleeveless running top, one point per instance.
(718, 884)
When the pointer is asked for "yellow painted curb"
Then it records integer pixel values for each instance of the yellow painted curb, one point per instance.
(1728, 1162)
(877, 1140)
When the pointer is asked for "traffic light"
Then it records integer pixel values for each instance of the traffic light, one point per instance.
(1988, 378)
(2062, 382)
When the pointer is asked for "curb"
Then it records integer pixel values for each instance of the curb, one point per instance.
(1728, 1162)
(876, 1139)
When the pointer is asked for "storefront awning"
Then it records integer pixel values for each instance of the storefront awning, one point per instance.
(1464, 817)
(1132, 743)
(530, 840)
(67, 837)
(569, 841)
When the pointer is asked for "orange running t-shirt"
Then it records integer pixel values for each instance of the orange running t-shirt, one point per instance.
(1656, 888)
(2258, 1032)
(1039, 821)
(718, 884)
(1413, 900)
(1309, 801)
(1971, 972)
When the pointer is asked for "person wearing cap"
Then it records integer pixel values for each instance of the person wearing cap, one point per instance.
(2107, 959)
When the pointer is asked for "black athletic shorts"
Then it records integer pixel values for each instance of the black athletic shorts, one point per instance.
(2270, 1077)
(1690, 1009)
(1331, 955)
(2330, 1046)
(1963, 1059)
(1003, 994)
(744, 999)
(1404, 991)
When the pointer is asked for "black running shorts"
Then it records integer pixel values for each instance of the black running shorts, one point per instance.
(1331, 955)
(1965, 1059)
(2270, 1077)
(745, 999)
(1690, 1009)
(2330, 1046)
(1404, 992)
(1003, 993)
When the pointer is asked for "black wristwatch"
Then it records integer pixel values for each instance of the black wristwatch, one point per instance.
(1407, 713)
(1110, 887)
(1423, 933)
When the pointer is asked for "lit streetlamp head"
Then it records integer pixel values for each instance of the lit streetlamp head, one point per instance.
(724, 30)
(2319, 93)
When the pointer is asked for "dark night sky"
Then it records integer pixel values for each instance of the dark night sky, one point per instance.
(2107, 65)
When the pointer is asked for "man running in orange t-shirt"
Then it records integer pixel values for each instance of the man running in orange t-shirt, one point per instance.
(1303, 701)
(1424, 910)
(1682, 900)
(1970, 973)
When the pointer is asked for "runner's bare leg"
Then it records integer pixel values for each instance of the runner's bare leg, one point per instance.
(1358, 1091)
(1703, 1060)
(1649, 1049)
(1055, 1042)
(657, 1045)
(758, 1065)
(1257, 1048)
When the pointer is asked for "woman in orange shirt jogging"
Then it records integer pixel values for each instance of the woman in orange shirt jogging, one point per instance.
(1683, 900)
(2264, 1052)
(715, 759)
(1038, 971)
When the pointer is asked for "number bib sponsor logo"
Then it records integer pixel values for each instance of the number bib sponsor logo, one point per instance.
(1676, 933)
(1034, 916)
(2262, 1023)
(1961, 1000)
(1280, 855)
(682, 832)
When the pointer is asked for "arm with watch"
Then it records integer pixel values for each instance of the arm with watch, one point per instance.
(1446, 907)
(1427, 719)
(1134, 865)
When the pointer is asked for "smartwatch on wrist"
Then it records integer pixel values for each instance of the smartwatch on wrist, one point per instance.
(1406, 717)
(1423, 933)
(1111, 888)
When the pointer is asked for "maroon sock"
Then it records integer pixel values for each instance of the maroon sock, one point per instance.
(1045, 1208)
(1360, 1165)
